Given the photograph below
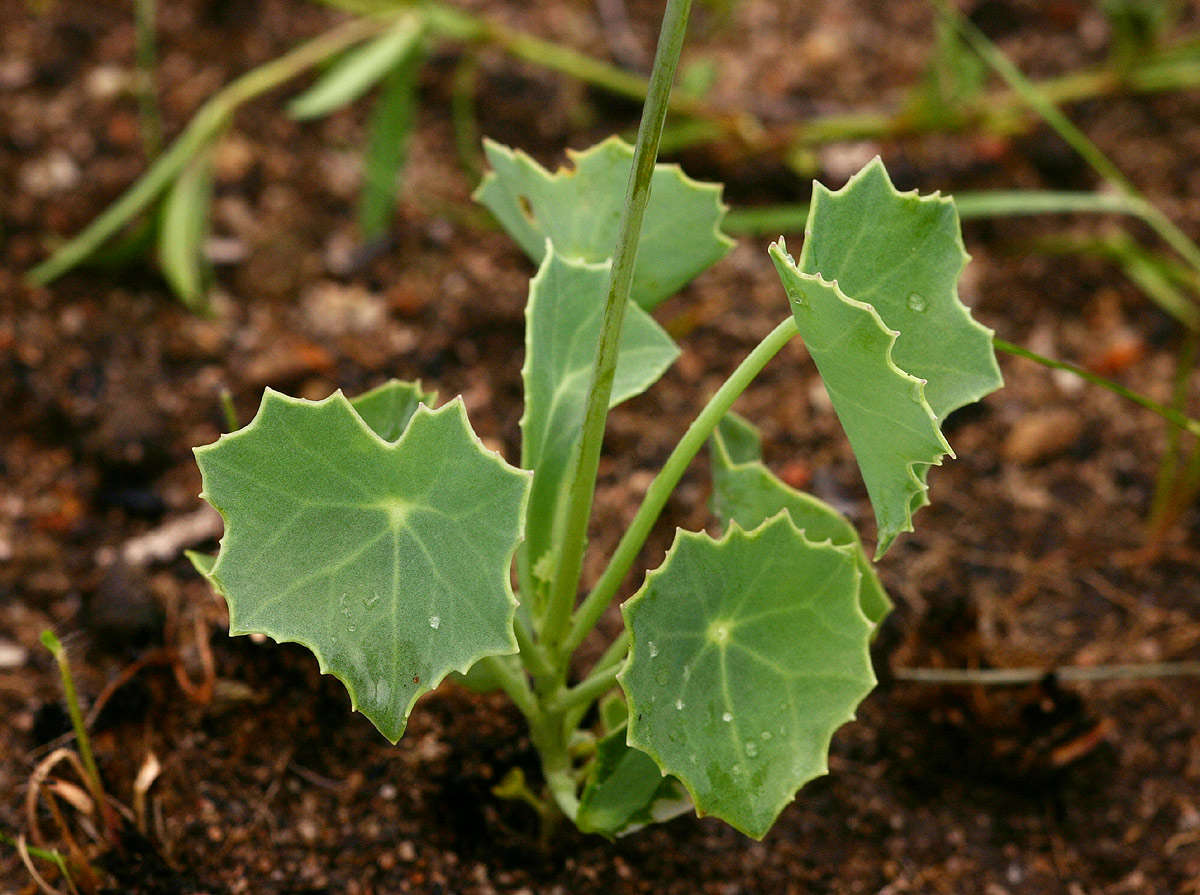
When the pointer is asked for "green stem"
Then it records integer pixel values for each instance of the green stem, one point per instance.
(513, 682)
(533, 657)
(1070, 673)
(1170, 414)
(582, 483)
(1166, 493)
(587, 691)
(84, 742)
(775, 219)
(43, 854)
(205, 126)
(668, 477)
(144, 14)
(612, 658)
(1091, 153)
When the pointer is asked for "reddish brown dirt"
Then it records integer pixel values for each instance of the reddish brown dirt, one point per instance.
(1032, 553)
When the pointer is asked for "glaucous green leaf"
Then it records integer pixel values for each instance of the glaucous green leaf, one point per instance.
(626, 791)
(890, 425)
(359, 70)
(388, 408)
(746, 492)
(875, 298)
(748, 653)
(563, 322)
(388, 559)
(580, 212)
(902, 254)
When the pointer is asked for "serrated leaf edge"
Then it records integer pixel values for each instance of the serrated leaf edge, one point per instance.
(681, 536)
(576, 157)
(822, 193)
(718, 446)
(920, 491)
(455, 406)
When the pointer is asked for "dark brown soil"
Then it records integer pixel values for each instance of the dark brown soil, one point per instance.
(1032, 554)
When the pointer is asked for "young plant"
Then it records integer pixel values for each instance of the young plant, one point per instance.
(381, 534)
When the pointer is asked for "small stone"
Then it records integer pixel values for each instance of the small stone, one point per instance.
(12, 655)
(1042, 435)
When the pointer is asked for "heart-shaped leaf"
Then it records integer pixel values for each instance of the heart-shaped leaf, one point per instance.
(563, 321)
(748, 653)
(388, 559)
(747, 493)
(579, 211)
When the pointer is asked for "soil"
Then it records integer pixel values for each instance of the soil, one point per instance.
(1034, 552)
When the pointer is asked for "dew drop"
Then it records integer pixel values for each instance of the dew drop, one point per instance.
(435, 622)
(727, 717)
(917, 303)
(351, 628)
(679, 705)
(766, 735)
(653, 649)
(371, 600)
(751, 748)
(737, 770)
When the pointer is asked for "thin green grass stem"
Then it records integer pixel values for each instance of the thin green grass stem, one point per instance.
(82, 740)
(144, 15)
(1170, 414)
(582, 483)
(42, 854)
(1091, 153)
(668, 477)
(208, 124)
(1166, 493)
(775, 219)
(1001, 677)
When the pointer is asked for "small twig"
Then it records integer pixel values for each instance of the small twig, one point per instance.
(1001, 677)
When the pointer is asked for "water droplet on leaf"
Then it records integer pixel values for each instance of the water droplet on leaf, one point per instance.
(917, 303)
(653, 649)
(727, 717)
(679, 705)
(751, 748)
(435, 622)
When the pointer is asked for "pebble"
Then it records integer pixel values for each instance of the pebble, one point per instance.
(1042, 435)
(12, 655)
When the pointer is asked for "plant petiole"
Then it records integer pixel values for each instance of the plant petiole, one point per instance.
(668, 477)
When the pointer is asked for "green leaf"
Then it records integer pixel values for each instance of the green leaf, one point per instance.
(388, 137)
(745, 492)
(388, 407)
(580, 211)
(748, 653)
(389, 560)
(183, 230)
(358, 70)
(563, 321)
(626, 791)
(201, 562)
(902, 253)
(874, 297)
